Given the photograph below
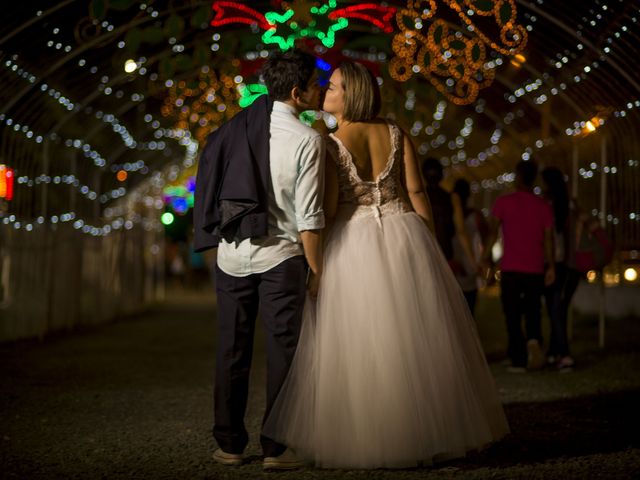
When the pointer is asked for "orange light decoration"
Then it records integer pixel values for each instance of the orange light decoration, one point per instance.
(454, 62)
(3, 181)
(592, 125)
(121, 175)
(200, 106)
(6, 182)
(518, 59)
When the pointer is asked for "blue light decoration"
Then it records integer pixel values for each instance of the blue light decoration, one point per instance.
(180, 197)
(322, 65)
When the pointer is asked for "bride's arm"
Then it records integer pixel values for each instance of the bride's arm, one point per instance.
(414, 186)
(330, 193)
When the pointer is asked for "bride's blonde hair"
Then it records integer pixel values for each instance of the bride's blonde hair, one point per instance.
(361, 92)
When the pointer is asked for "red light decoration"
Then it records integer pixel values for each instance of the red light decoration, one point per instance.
(377, 15)
(227, 12)
(233, 12)
(6, 182)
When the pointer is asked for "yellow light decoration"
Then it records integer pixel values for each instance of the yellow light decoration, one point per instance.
(454, 63)
(202, 105)
(611, 279)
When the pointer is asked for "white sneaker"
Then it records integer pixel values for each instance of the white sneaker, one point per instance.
(287, 461)
(229, 459)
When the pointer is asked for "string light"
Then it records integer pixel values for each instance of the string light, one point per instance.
(130, 66)
(69, 180)
(23, 181)
(202, 105)
(541, 92)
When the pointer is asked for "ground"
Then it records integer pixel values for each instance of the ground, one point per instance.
(133, 399)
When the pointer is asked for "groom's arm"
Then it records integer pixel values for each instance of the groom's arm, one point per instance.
(309, 199)
(312, 245)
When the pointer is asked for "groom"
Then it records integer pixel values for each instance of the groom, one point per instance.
(259, 195)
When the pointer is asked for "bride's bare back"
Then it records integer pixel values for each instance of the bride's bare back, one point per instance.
(370, 146)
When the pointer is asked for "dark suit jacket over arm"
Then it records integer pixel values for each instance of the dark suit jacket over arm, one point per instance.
(232, 185)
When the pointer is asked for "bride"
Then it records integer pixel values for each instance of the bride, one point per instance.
(389, 371)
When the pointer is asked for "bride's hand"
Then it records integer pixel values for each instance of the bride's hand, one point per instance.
(313, 285)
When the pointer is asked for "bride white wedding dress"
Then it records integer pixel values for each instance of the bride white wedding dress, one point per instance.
(389, 370)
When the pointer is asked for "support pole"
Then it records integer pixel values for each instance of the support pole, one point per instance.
(603, 222)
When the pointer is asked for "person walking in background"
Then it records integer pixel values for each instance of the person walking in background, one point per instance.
(441, 205)
(558, 295)
(527, 230)
(477, 230)
(448, 218)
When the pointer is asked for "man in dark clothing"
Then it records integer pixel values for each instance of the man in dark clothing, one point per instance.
(448, 216)
(441, 206)
(261, 184)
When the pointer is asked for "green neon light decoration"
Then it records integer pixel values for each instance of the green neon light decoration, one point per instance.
(274, 17)
(287, 41)
(167, 218)
(249, 93)
(308, 117)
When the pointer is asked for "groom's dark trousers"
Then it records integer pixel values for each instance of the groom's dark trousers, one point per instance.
(279, 293)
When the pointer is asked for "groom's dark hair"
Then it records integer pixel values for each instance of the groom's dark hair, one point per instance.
(284, 71)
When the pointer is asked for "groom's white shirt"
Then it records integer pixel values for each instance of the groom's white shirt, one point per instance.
(296, 160)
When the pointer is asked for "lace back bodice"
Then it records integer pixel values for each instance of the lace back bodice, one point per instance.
(381, 196)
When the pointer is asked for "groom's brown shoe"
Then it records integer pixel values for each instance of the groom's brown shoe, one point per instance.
(229, 459)
(287, 461)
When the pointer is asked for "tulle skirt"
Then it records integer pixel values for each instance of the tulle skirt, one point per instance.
(389, 371)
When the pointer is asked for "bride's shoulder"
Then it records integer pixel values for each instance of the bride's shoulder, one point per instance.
(382, 127)
(381, 124)
(331, 145)
(329, 140)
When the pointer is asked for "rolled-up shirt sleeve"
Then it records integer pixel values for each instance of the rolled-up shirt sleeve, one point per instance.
(309, 194)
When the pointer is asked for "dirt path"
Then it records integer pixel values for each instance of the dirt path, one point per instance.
(134, 400)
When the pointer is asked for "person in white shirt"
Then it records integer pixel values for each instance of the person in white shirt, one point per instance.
(270, 271)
